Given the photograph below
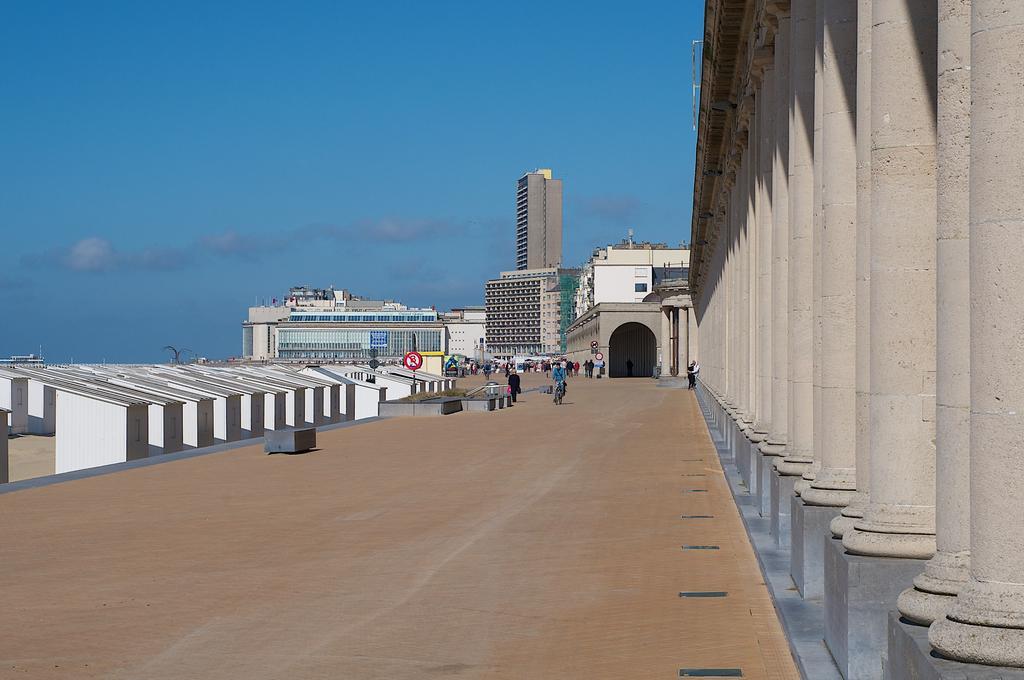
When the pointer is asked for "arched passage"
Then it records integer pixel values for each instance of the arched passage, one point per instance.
(632, 345)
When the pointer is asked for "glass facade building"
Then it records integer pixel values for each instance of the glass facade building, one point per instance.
(355, 343)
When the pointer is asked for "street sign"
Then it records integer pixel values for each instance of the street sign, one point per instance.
(413, 361)
(378, 339)
(599, 356)
(593, 344)
(374, 364)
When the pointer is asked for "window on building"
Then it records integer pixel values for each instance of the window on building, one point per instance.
(640, 287)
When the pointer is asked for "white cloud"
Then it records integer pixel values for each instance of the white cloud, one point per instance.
(91, 254)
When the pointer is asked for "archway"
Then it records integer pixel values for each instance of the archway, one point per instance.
(632, 343)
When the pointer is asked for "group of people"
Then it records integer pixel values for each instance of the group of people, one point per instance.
(561, 370)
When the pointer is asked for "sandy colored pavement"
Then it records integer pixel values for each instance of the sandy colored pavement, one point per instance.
(31, 455)
(541, 543)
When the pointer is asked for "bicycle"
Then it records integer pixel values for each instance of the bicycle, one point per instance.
(559, 393)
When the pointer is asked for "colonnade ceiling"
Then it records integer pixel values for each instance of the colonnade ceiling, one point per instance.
(728, 49)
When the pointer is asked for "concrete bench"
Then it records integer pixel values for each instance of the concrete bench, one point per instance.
(441, 406)
(480, 404)
(289, 441)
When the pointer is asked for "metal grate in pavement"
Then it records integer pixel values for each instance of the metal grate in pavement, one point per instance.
(703, 593)
(710, 673)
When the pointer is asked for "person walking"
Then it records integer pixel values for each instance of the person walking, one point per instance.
(514, 387)
(629, 368)
(487, 371)
(691, 377)
(576, 368)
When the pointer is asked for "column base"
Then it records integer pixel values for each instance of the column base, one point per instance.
(985, 625)
(770, 448)
(859, 594)
(910, 656)
(793, 468)
(841, 524)
(935, 589)
(781, 492)
(807, 555)
(832, 498)
(880, 544)
(850, 514)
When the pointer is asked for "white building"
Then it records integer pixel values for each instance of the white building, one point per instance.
(368, 395)
(465, 331)
(5, 462)
(14, 398)
(99, 429)
(628, 272)
(327, 326)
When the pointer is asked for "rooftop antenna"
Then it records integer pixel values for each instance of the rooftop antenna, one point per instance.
(629, 236)
(696, 56)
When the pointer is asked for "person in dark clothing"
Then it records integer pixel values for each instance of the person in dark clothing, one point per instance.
(629, 368)
(691, 377)
(514, 384)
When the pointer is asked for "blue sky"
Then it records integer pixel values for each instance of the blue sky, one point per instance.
(165, 165)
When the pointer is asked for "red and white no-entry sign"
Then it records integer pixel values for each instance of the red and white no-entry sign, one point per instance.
(413, 361)
(599, 356)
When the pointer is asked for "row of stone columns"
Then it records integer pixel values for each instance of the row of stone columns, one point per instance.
(861, 312)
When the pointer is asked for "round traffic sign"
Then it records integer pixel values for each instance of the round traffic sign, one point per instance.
(374, 364)
(593, 344)
(413, 361)
(599, 356)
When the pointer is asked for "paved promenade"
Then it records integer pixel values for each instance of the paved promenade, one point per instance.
(541, 542)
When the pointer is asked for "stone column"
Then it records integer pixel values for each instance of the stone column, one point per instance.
(900, 519)
(743, 339)
(834, 483)
(749, 278)
(986, 624)
(693, 338)
(862, 334)
(801, 217)
(729, 297)
(766, 138)
(775, 443)
(944, 575)
(818, 156)
(754, 433)
(667, 360)
(683, 331)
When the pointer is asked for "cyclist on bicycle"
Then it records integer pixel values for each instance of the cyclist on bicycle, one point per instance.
(558, 375)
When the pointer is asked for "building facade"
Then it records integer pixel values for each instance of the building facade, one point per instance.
(858, 234)
(466, 331)
(516, 308)
(538, 221)
(328, 325)
(627, 272)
